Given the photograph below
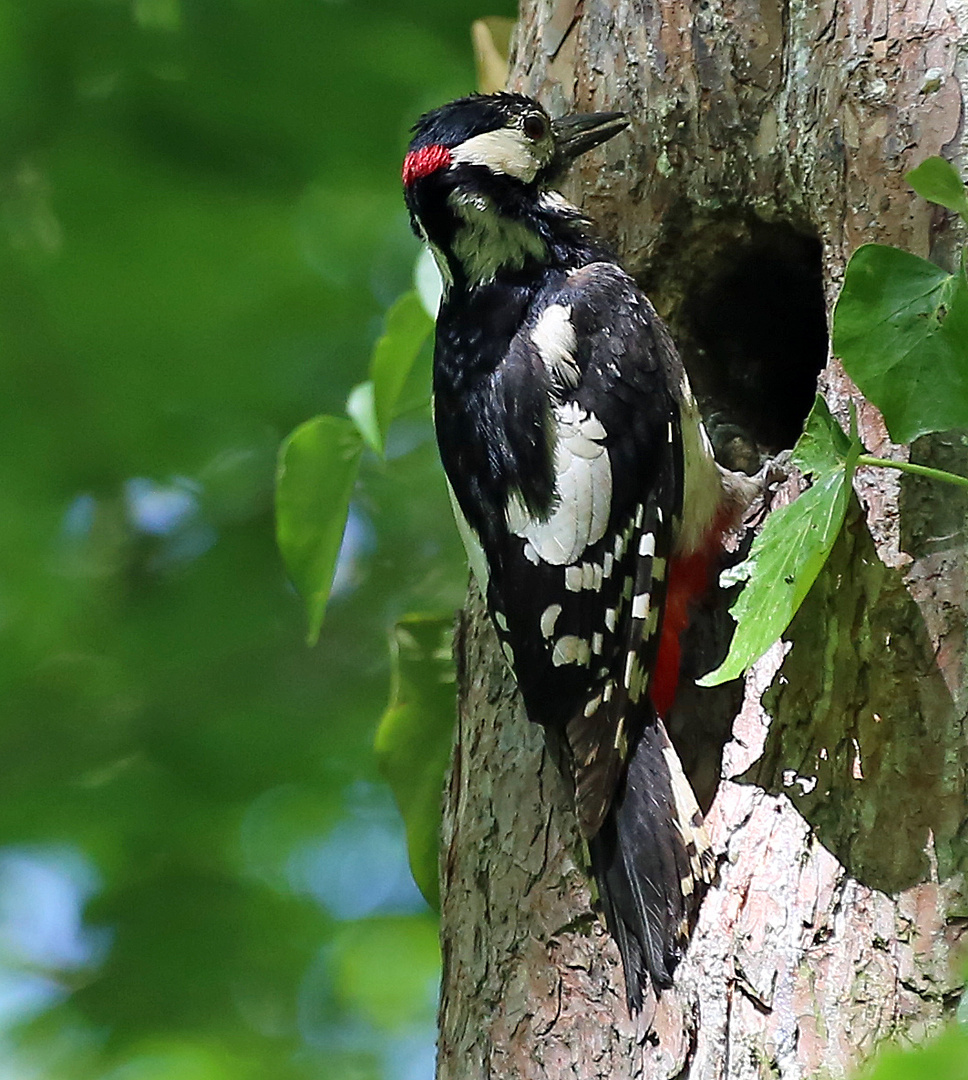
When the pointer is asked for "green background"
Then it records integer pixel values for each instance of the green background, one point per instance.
(201, 228)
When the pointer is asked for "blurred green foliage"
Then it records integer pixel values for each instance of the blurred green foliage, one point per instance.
(944, 1057)
(201, 228)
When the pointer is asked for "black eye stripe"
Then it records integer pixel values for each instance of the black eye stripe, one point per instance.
(535, 126)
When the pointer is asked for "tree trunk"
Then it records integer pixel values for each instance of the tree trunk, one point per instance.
(769, 140)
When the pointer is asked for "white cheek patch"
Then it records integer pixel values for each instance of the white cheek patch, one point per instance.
(583, 485)
(554, 338)
(505, 150)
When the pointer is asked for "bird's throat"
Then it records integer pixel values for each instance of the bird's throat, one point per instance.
(487, 242)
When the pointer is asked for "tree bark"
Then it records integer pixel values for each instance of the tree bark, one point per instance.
(760, 128)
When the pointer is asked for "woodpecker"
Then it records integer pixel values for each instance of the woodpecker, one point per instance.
(577, 457)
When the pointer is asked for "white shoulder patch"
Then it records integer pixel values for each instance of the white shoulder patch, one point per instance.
(554, 338)
(506, 150)
(583, 486)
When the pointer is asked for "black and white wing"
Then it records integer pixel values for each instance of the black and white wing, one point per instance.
(577, 582)
(578, 542)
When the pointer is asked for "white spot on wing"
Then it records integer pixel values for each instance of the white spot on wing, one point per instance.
(570, 650)
(630, 664)
(640, 679)
(640, 606)
(548, 619)
(647, 544)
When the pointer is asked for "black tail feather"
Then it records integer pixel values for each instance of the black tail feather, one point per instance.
(651, 861)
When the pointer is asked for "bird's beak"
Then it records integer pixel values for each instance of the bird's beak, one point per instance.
(574, 135)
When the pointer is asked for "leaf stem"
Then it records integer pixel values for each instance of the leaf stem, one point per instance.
(917, 470)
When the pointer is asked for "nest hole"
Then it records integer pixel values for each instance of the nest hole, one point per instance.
(749, 314)
(745, 303)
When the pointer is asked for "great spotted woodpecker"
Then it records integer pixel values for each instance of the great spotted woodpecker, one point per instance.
(576, 454)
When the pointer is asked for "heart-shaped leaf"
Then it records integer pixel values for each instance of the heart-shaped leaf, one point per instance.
(901, 329)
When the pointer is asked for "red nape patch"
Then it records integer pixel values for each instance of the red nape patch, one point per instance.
(424, 161)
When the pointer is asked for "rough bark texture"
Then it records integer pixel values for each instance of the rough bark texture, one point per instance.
(760, 128)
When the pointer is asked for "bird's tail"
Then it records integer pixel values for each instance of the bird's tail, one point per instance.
(652, 862)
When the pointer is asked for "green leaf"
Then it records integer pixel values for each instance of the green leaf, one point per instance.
(168, 1056)
(418, 388)
(823, 446)
(361, 409)
(318, 464)
(944, 1058)
(901, 328)
(938, 181)
(793, 546)
(428, 282)
(413, 740)
(407, 328)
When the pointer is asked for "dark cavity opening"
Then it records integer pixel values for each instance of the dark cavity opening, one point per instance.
(749, 316)
(745, 303)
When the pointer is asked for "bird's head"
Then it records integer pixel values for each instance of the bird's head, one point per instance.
(477, 174)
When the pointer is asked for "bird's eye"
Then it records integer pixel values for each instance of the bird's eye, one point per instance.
(535, 126)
